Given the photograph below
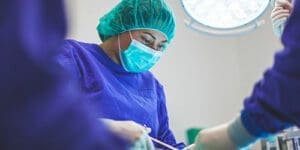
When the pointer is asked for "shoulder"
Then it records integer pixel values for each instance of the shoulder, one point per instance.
(70, 53)
(65, 55)
(67, 48)
(72, 48)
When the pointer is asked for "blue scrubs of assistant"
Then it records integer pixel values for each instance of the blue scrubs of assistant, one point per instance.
(114, 92)
(40, 108)
(275, 102)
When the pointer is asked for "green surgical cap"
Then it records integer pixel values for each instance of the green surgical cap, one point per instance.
(138, 14)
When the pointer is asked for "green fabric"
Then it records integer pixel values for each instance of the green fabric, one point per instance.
(138, 14)
(192, 134)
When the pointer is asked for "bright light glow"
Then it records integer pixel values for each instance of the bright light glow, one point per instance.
(225, 14)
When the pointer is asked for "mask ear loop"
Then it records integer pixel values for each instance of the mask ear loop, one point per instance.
(120, 52)
(120, 57)
(119, 43)
(130, 35)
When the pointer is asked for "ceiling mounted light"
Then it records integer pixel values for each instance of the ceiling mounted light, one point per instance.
(223, 17)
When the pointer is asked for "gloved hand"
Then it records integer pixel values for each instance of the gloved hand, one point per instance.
(279, 15)
(230, 135)
(143, 143)
(127, 129)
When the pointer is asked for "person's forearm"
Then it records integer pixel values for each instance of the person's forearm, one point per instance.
(228, 136)
(215, 138)
(238, 134)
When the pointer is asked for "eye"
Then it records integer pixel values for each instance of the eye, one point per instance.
(147, 40)
(162, 47)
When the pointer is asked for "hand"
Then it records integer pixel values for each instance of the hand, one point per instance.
(282, 9)
(143, 143)
(279, 15)
(127, 129)
(286, 4)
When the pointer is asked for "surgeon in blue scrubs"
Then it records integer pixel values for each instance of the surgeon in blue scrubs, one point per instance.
(40, 107)
(115, 75)
(274, 104)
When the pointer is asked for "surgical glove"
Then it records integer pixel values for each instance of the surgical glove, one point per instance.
(143, 143)
(231, 135)
(127, 129)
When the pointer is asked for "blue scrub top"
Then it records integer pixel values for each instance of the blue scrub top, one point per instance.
(114, 92)
(274, 104)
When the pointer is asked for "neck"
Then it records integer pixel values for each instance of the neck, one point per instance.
(112, 50)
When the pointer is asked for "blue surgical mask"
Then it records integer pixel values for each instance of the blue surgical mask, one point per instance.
(138, 57)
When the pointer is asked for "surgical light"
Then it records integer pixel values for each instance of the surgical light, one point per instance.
(224, 17)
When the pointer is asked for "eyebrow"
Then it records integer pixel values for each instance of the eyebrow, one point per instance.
(165, 41)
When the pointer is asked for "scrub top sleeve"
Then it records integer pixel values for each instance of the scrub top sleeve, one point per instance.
(165, 134)
(287, 61)
(66, 60)
(274, 103)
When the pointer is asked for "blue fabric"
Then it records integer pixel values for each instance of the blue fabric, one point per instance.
(116, 93)
(275, 102)
(40, 108)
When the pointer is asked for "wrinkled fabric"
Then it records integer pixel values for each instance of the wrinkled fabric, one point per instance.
(274, 104)
(138, 14)
(114, 92)
(40, 108)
